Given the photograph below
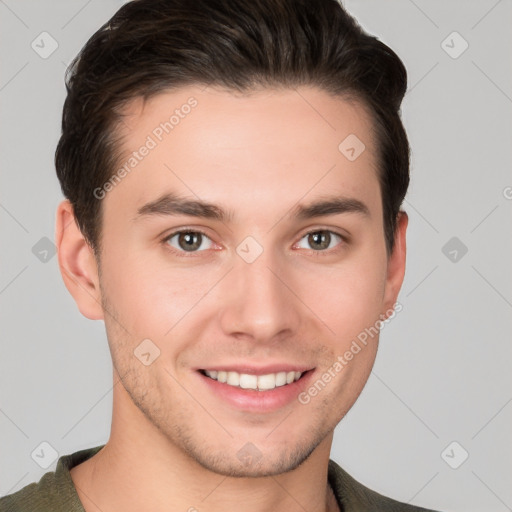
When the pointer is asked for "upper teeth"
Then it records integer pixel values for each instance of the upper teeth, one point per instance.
(260, 382)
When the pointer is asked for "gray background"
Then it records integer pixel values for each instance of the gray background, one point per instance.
(443, 369)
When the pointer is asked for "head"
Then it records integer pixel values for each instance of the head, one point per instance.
(269, 133)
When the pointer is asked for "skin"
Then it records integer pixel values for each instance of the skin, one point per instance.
(258, 155)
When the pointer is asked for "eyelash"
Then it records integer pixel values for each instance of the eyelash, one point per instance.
(326, 252)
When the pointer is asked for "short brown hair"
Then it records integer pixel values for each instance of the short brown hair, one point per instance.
(150, 46)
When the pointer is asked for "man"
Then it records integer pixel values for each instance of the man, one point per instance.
(233, 174)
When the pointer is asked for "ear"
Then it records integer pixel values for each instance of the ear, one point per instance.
(396, 265)
(77, 263)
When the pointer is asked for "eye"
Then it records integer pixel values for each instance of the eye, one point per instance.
(189, 241)
(320, 240)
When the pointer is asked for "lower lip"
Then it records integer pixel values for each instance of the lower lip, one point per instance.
(251, 400)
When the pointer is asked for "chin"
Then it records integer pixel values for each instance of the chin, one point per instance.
(251, 462)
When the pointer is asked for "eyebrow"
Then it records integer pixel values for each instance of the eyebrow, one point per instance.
(172, 204)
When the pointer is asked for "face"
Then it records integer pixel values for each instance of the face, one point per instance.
(243, 244)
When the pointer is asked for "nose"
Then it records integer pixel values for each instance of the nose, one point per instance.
(258, 302)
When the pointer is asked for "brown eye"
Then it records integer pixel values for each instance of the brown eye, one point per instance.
(320, 240)
(189, 241)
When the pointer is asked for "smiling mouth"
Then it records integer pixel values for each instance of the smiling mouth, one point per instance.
(255, 382)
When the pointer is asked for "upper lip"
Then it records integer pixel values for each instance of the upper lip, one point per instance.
(258, 370)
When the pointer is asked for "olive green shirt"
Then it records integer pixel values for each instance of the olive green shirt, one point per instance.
(55, 491)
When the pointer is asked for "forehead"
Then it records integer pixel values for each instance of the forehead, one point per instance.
(225, 146)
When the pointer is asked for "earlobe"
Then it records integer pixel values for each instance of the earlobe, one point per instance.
(77, 263)
(396, 264)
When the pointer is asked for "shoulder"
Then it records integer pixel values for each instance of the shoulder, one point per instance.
(34, 497)
(355, 497)
(54, 492)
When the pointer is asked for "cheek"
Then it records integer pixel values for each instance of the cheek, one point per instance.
(151, 297)
(347, 298)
